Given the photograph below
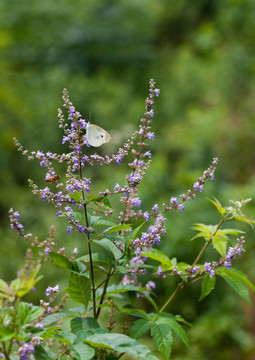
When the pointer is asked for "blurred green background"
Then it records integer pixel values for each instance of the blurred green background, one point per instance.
(202, 55)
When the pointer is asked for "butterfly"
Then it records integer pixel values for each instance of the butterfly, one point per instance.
(52, 178)
(97, 136)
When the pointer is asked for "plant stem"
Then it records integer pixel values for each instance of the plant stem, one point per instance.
(181, 284)
(89, 246)
(104, 292)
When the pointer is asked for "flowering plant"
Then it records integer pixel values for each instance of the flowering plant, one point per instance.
(113, 278)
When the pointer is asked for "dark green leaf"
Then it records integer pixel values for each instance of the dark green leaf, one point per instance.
(61, 260)
(81, 323)
(163, 339)
(108, 245)
(236, 281)
(100, 199)
(97, 257)
(41, 354)
(79, 288)
(28, 313)
(117, 228)
(50, 319)
(139, 328)
(122, 344)
(83, 351)
(207, 286)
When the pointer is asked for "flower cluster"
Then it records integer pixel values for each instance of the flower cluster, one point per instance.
(28, 349)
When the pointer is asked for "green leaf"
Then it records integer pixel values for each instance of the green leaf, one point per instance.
(97, 257)
(237, 281)
(136, 231)
(122, 344)
(218, 206)
(117, 228)
(28, 313)
(97, 220)
(100, 199)
(79, 288)
(5, 291)
(172, 322)
(108, 245)
(139, 328)
(84, 334)
(61, 260)
(163, 338)
(220, 244)
(83, 351)
(159, 256)
(50, 319)
(41, 354)
(78, 216)
(207, 286)
(66, 337)
(87, 323)
(205, 231)
(6, 333)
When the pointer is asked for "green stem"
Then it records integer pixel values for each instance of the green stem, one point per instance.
(104, 292)
(89, 246)
(181, 284)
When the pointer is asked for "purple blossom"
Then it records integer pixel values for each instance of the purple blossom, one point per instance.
(148, 153)
(146, 215)
(195, 269)
(173, 200)
(157, 91)
(136, 201)
(151, 135)
(46, 250)
(117, 187)
(69, 228)
(155, 207)
(52, 290)
(208, 269)
(160, 271)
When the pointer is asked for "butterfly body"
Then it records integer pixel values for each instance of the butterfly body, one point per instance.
(97, 136)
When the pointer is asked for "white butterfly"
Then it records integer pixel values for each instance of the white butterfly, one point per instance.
(97, 136)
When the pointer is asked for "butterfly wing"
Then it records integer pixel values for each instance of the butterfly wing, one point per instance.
(97, 136)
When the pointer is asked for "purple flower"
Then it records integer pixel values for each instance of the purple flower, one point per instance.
(148, 153)
(46, 250)
(157, 91)
(151, 135)
(117, 187)
(136, 202)
(155, 207)
(69, 228)
(146, 215)
(173, 200)
(160, 271)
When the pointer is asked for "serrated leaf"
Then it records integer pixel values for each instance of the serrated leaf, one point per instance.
(171, 321)
(78, 216)
(218, 206)
(5, 290)
(220, 244)
(100, 199)
(6, 333)
(117, 228)
(205, 231)
(136, 231)
(41, 354)
(208, 285)
(139, 328)
(66, 337)
(237, 281)
(79, 288)
(83, 351)
(162, 338)
(81, 323)
(97, 257)
(122, 344)
(61, 260)
(159, 256)
(28, 313)
(108, 245)
(50, 319)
